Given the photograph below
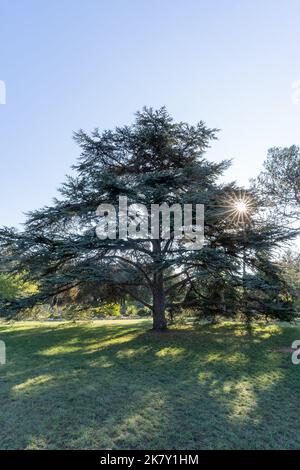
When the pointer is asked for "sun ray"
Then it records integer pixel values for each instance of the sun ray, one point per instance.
(237, 207)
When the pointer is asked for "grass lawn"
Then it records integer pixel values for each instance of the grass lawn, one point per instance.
(115, 385)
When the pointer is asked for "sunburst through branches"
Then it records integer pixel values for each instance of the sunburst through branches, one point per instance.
(238, 207)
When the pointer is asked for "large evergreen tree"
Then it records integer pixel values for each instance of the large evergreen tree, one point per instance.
(153, 161)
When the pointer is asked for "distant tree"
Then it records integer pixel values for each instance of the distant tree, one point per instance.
(14, 286)
(290, 267)
(9, 287)
(153, 161)
(279, 183)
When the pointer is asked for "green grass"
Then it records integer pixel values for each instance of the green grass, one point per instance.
(115, 385)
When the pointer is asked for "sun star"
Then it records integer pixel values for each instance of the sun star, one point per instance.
(238, 207)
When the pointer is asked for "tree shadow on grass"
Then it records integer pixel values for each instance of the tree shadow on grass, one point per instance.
(119, 386)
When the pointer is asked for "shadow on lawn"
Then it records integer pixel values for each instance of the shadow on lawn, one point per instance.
(119, 386)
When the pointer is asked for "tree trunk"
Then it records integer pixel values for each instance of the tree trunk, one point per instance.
(159, 317)
(159, 301)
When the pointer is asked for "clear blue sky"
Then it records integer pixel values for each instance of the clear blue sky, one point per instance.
(71, 64)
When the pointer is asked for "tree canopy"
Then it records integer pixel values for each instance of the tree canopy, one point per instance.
(279, 182)
(153, 161)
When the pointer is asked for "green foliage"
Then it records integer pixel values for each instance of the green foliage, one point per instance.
(78, 312)
(153, 161)
(133, 309)
(279, 183)
(15, 286)
(108, 310)
(9, 287)
(290, 266)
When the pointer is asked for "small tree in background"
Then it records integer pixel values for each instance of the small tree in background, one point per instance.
(290, 267)
(278, 185)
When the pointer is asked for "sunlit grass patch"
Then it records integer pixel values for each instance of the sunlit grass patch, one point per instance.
(171, 352)
(31, 383)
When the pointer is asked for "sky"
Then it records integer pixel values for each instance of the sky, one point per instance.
(70, 64)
